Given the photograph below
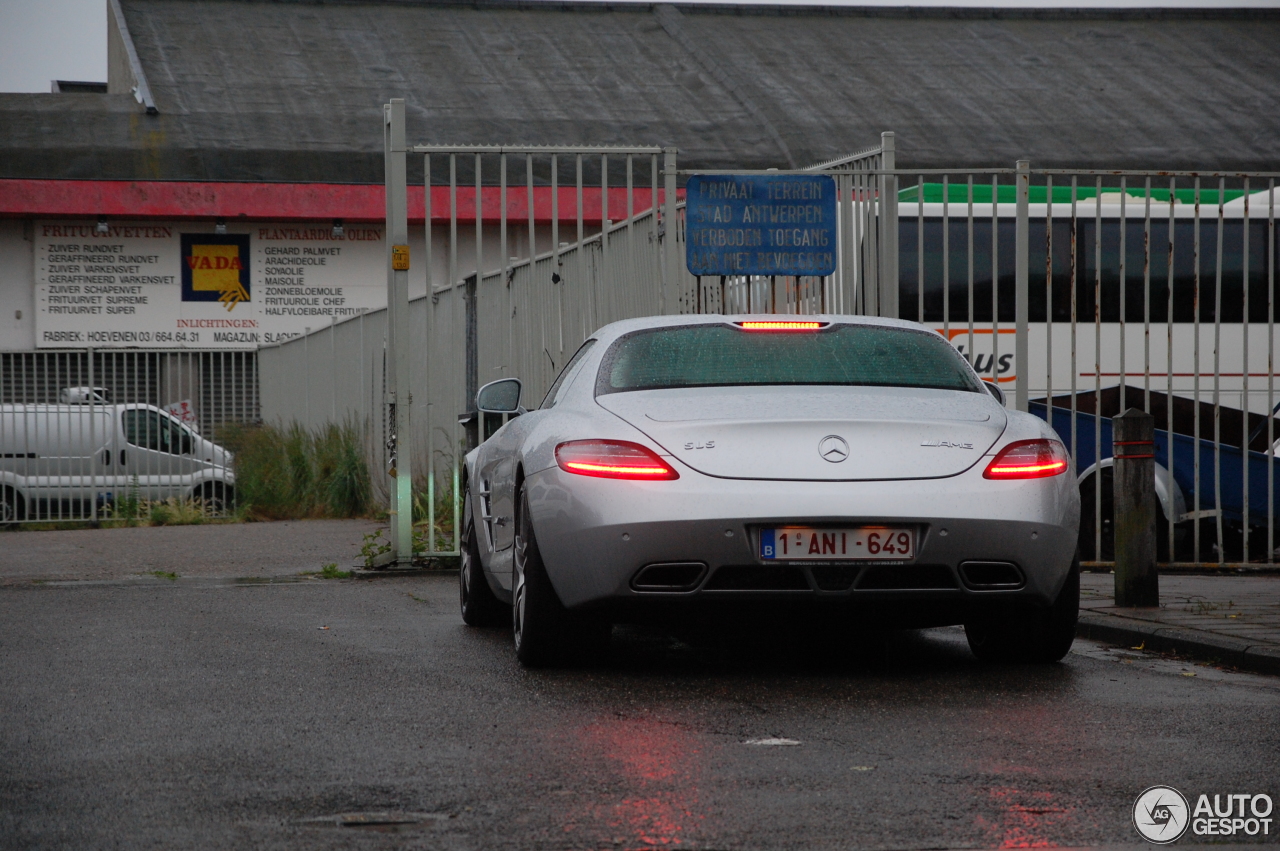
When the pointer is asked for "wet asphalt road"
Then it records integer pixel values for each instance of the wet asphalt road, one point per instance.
(201, 713)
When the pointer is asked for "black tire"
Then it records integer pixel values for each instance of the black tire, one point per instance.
(218, 499)
(1030, 635)
(480, 607)
(12, 508)
(547, 635)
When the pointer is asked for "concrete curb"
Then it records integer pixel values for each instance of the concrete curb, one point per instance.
(1194, 643)
(391, 572)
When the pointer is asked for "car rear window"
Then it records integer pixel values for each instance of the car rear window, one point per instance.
(726, 355)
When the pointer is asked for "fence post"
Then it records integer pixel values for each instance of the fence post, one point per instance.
(1022, 286)
(888, 288)
(475, 419)
(397, 247)
(95, 455)
(670, 249)
(1136, 581)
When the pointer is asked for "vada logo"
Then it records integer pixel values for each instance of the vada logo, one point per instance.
(1161, 815)
(215, 268)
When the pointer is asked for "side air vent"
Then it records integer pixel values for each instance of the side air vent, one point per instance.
(758, 577)
(674, 576)
(907, 577)
(991, 575)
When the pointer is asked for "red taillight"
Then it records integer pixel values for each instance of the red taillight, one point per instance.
(612, 459)
(800, 325)
(1029, 459)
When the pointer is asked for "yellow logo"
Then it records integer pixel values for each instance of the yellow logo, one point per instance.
(215, 268)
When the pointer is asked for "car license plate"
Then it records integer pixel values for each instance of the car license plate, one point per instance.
(854, 543)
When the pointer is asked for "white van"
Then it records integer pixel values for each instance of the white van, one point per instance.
(58, 461)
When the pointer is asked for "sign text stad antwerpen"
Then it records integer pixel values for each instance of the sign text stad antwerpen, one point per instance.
(761, 224)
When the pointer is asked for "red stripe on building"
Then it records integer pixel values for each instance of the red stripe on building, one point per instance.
(139, 199)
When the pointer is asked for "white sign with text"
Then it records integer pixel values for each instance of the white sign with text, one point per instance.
(176, 285)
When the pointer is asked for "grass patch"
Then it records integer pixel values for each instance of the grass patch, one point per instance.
(330, 572)
(290, 473)
(378, 541)
(163, 574)
(129, 511)
(177, 512)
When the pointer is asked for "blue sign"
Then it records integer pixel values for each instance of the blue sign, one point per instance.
(761, 224)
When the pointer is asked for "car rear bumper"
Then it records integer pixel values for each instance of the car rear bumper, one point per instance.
(597, 535)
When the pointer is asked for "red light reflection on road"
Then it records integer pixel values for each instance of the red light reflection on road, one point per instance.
(1027, 819)
(655, 768)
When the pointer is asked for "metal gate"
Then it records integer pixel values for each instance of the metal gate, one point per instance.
(91, 435)
(1028, 272)
(1090, 292)
(508, 295)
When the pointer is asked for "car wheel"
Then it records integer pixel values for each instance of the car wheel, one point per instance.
(479, 605)
(10, 505)
(546, 633)
(1035, 635)
(217, 499)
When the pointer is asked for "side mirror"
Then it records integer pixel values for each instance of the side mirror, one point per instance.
(995, 390)
(499, 397)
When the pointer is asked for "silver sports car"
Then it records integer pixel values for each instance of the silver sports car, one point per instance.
(851, 468)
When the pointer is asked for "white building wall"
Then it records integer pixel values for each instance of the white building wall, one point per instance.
(17, 286)
(18, 279)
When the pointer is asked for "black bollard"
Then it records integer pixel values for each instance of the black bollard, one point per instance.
(1134, 498)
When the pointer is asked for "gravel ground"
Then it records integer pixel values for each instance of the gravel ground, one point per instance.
(224, 550)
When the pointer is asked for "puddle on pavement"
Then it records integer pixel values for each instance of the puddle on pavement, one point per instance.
(378, 822)
(1161, 663)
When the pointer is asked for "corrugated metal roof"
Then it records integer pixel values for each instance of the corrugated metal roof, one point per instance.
(293, 91)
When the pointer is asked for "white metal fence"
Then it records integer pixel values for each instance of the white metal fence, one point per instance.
(98, 435)
(1091, 292)
(1082, 292)
(524, 316)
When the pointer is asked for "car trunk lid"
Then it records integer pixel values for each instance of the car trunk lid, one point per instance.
(808, 433)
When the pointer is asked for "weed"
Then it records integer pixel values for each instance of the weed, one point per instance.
(426, 538)
(374, 545)
(164, 574)
(242, 512)
(176, 512)
(343, 476)
(290, 473)
(124, 510)
(1200, 606)
(423, 496)
(330, 571)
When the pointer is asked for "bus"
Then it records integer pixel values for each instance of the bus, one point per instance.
(1161, 298)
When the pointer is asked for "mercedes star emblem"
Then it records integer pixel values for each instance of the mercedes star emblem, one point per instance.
(833, 448)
